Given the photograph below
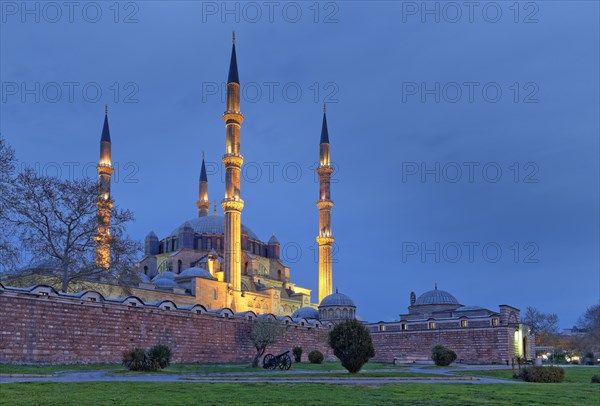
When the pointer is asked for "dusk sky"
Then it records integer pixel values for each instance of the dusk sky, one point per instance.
(466, 141)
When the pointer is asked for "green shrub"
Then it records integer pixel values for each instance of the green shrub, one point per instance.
(297, 351)
(136, 360)
(159, 356)
(442, 356)
(543, 374)
(596, 379)
(351, 343)
(155, 358)
(315, 357)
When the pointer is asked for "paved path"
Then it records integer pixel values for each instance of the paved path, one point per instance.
(445, 376)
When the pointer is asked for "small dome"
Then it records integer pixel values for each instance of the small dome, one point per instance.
(143, 277)
(306, 313)
(436, 297)
(165, 283)
(152, 236)
(164, 275)
(337, 299)
(273, 240)
(197, 272)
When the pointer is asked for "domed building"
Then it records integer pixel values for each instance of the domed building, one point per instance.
(475, 333)
(337, 307)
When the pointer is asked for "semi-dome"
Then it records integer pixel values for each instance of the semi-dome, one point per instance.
(337, 299)
(211, 225)
(197, 272)
(164, 275)
(436, 297)
(306, 313)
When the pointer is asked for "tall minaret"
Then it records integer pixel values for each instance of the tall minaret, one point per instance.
(203, 204)
(232, 203)
(325, 238)
(104, 203)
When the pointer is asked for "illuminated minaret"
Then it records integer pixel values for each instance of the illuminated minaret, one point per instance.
(104, 203)
(325, 238)
(203, 204)
(232, 203)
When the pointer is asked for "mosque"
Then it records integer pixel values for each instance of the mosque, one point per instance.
(217, 261)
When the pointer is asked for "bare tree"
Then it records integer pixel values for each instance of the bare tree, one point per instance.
(265, 332)
(543, 325)
(589, 325)
(57, 221)
(8, 249)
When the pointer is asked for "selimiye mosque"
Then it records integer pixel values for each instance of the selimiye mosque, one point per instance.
(218, 261)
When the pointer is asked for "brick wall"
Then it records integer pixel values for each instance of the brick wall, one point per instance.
(59, 330)
(471, 345)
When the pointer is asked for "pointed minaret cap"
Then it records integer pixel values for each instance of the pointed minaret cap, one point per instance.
(203, 170)
(105, 130)
(324, 132)
(233, 70)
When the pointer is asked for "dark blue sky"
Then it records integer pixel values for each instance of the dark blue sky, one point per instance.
(413, 98)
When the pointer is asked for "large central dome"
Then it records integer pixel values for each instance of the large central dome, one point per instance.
(212, 225)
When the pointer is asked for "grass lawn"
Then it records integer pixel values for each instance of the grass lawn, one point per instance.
(573, 374)
(50, 369)
(361, 374)
(129, 393)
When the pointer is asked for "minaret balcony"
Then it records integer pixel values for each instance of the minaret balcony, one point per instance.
(105, 168)
(325, 240)
(233, 117)
(324, 204)
(324, 169)
(233, 160)
(232, 204)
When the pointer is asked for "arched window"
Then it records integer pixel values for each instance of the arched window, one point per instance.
(209, 244)
(246, 268)
(179, 263)
(345, 313)
(279, 275)
(331, 313)
(219, 243)
(337, 313)
(146, 269)
(215, 293)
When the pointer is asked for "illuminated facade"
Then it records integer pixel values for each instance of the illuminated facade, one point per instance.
(104, 203)
(217, 260)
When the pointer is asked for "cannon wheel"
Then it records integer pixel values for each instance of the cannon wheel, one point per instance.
(285, 362)
(269, 361)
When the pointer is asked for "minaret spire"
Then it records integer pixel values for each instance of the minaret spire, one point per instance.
(232, 160)
(203, 203)
(324, 204)
(104, 203)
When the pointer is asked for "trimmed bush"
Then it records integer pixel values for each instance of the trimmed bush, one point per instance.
(442, 356)
(351, 343)
(297, 351)
(315, 357)
(543, 374)
(160, 356)
(596, 379)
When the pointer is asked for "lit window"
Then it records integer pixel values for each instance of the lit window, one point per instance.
(381, 327)
(404, 326)
(431, 325)
(495, 322)
(463, 323)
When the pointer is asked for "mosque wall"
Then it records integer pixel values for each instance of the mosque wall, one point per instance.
(50, 328)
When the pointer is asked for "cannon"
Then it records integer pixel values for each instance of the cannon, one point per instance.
(283, 361)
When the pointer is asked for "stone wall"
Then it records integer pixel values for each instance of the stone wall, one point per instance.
(42, 328)
(471, 345)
